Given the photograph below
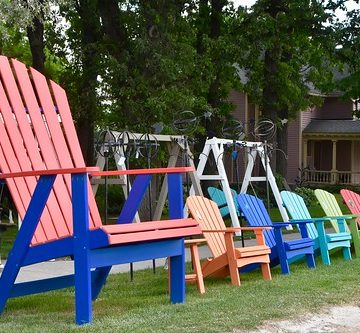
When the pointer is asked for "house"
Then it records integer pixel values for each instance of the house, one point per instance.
(324, 142)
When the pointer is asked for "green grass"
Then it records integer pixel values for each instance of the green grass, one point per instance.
(7, 240)
(143, 305)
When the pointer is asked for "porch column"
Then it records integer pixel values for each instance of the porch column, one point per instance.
(333, 168)
(304, 163)
(305, 153)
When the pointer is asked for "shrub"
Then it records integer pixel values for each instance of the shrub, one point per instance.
(307, 194)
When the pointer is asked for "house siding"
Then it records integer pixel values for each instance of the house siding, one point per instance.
(356, 161)
(306, 117)
(334, 108)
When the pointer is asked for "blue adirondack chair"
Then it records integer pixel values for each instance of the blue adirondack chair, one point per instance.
(282, 251)
(218, 196)
(324, 241)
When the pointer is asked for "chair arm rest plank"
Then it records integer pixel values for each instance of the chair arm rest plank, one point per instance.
(196, 241)
(138, 232)
(342, 217)
(49, 172)
(142, 171)
(279, 225)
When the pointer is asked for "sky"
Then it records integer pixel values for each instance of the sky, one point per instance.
(350, 6)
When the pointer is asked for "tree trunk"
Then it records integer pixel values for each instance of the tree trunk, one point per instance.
(281, 153)
(35, 34)
(115, 33)
(90, 26)
(270, 98)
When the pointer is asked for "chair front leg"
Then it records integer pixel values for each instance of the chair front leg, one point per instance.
(284, 264)
(230, 253)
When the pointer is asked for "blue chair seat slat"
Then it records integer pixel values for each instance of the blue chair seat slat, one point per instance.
(298, 244)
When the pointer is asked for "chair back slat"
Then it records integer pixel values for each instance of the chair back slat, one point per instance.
(74, 149)
(207, 214)
(46, 153)
(21, 141)
(33, 137)
(257, 216)
(352, 201)
(297, 209)
(329, 205)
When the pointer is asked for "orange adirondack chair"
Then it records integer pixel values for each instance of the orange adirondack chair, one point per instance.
(41, 160)
(226, 259)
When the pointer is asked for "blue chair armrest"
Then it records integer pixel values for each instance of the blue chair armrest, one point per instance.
(279, 225)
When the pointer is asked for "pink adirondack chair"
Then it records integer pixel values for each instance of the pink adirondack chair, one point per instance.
(352, 201)
(41, 161)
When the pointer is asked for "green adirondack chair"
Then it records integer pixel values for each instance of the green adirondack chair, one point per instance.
(324, 241)
(331, 208)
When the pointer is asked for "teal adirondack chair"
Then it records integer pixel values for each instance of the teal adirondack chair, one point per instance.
(218, 196)
(325, 242)
(331, 208)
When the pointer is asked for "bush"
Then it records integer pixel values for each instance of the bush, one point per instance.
(307, 194)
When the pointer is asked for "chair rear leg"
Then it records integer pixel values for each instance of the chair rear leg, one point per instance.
(266, 272)
(310, 260)
(347, 253)
(197, 268)
(325, 257)
(101, 274)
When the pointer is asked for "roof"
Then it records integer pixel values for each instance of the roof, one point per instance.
(333, 126)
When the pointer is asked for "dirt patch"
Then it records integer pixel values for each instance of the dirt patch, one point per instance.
(339, 319)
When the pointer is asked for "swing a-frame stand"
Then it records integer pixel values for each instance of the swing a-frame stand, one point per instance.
(254, 150)
(177, 145)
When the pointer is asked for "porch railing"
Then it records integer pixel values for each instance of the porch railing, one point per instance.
(332, 177)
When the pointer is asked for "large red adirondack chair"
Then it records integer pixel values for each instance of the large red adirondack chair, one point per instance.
(41, 160)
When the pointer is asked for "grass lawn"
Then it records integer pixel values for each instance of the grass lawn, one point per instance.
(143, 305)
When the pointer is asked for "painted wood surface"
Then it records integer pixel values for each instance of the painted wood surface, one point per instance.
(324, 240)
(256, 214)
(41, 161)
(226, 259)
(339, 221)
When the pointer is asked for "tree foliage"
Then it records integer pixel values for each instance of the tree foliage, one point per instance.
(129, 64)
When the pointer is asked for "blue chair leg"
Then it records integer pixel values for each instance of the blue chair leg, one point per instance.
(177, 276)
(101, 274)
(310, 260)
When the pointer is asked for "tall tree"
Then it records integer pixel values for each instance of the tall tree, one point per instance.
(290, 47)
(35, 33)
(81, 75)
(348, 53)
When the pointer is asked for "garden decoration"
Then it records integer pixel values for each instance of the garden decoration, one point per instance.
(226, 259)
(282, 252)
(254, 150)
(332, 210)
(42, 163)
(106, 146)
(147, 146)
(324, 240)
(186, 124)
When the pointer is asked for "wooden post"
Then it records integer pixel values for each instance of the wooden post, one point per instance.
(333, 166)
